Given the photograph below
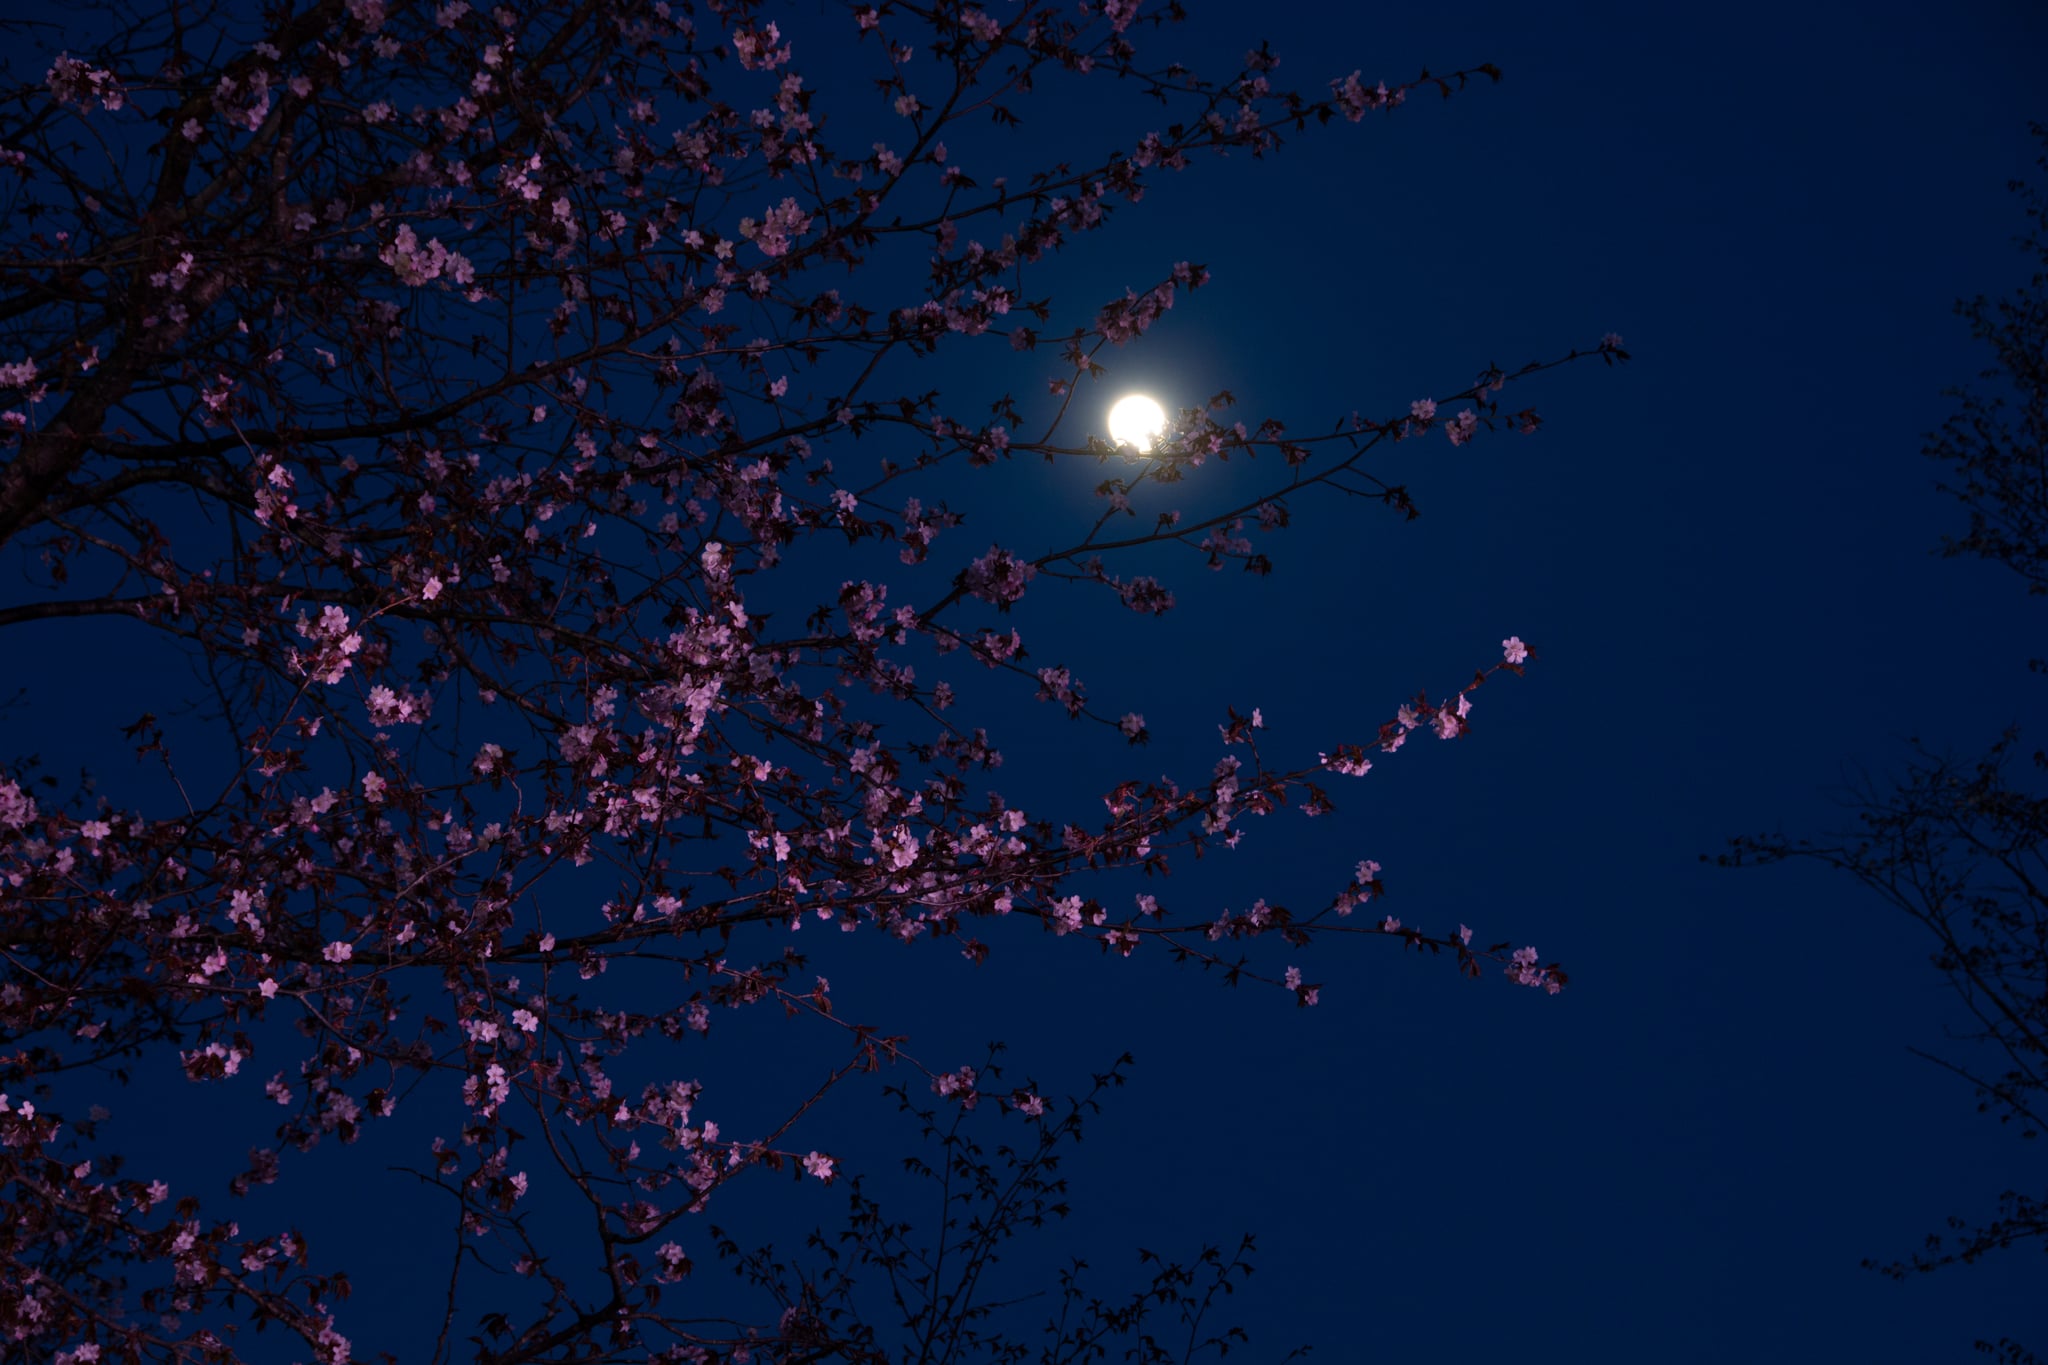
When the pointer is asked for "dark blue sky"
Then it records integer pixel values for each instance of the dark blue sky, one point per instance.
(1721, 553)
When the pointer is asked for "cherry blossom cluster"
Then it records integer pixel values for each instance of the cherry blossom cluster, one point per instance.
(999, 577)
(78, 84)
(415, 264)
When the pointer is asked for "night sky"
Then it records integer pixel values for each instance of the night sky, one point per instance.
(1721, 552)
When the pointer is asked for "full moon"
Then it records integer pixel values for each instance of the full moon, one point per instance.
(1136, 419)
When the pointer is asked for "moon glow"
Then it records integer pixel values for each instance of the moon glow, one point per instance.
(1136, 419)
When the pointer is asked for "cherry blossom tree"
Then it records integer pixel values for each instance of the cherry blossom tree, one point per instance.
(1959, 846)
(499, 407)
